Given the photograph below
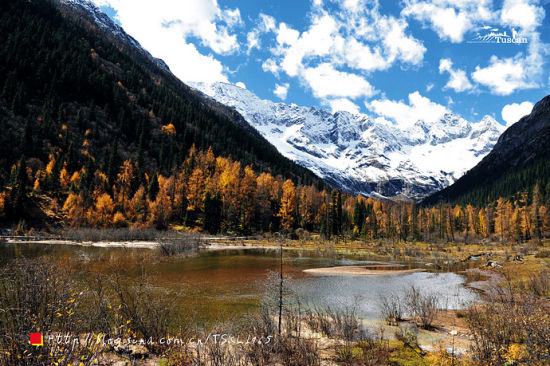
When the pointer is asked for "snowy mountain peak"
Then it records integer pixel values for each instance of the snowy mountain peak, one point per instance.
(363, 156)
(103, 21)
(353, 152)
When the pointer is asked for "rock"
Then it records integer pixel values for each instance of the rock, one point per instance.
(135, 350)
(493, 265)
(475, 257)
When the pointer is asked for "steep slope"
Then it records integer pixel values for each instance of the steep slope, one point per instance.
(53, 68)
(359, 155)
(519, 160)
(76, 95)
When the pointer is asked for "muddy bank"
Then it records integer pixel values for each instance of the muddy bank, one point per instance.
(488, 280)
(205, 245)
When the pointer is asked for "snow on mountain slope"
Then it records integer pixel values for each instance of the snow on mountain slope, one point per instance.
(107, 24)
(363, 156)
(349, 151)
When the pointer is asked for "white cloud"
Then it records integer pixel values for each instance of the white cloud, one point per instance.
(339, 48)
(458, 80)
(399, 45)
(522, 13)
(174, 22)
(343, 104)
(281, 91)
(504, 76)
(253, 40)
(453, 19)
(450, 19)
(271, 65)
(266, 23)
(512, 113)
(429, 87)
(240, 84)
(316, 41)
(406, 114)
(362, 56)
(325, 81)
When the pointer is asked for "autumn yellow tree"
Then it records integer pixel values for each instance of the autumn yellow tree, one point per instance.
(102, 213)
(247, 191)
(64, 178)
(483, 223)
(500, 219)
(195, 189)
(137, 207)
(123, 184)
(3, 203)
(75, 210)
(160, 210)
(287, 211)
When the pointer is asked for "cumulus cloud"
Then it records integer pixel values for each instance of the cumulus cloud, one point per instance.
(175, 22)
(458, 80)
(406, 114)
(281, 91)
(512, 113)
(339, 48)
(343, 105)
(521, 13)
(504, 76)
(453, 19)
(325, 81)
(450, 19)
(241, 85)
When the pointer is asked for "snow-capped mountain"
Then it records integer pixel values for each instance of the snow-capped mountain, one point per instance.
(363, 156)
(352, 152)
(103, 21)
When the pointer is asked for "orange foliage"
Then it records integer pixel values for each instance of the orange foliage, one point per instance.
(64, 179)
(74, 207)
(3, 203)
(288, 205)
(169, 129)
(102, 212)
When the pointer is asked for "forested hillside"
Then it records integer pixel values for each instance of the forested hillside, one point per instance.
(73, 100)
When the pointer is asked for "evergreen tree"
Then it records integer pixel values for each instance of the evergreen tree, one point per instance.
(153, 188)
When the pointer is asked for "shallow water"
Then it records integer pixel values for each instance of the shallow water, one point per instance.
(222, 285)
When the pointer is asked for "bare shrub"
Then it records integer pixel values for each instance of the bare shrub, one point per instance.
(299, 351)
(144, 310)
(116, 234)
(373, 352)
(423, 307)
(216, 353)
(511, 328)
(391, 308)
(180, 245)
(342, 323)
(36, 296)
(538, 284)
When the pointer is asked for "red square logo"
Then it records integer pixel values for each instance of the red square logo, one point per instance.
(36, 339)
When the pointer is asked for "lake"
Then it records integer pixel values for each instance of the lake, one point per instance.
(221, 285)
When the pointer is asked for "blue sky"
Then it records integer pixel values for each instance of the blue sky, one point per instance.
(396, 60)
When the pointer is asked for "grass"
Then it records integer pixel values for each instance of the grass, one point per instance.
(406, 356)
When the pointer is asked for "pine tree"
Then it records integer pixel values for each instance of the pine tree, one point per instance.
(19, 188)
(153, 188)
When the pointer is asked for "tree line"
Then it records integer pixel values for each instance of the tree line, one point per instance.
(218, 194)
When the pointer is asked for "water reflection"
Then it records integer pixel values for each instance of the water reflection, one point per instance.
(227, 283)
